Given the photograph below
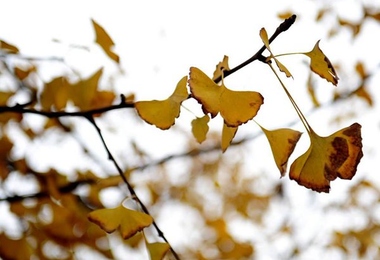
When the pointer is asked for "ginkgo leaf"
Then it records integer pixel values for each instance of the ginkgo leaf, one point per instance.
(157, 250)
(321, 65)
(127, 221)
(105, 41)
(162, 113)
(327, 158)
(236, 107)
(281, 67)
(228, 133)
(282, 142)
(199, 128)
(222, 66)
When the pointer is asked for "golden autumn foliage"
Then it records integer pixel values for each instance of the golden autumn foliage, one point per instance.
(120, 200)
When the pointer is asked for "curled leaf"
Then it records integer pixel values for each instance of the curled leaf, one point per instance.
(228, 133)
(200, 128)
(162, 113)
(236, 107)
(127, 221)
(327, 158)
(321, 65)
(281, 67)
(222, 66)
(282, 142)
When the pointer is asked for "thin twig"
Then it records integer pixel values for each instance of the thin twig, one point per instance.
(130, 187)
(284, 26)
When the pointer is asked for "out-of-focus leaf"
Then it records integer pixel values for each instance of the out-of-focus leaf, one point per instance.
(22, 74)
(105, 41)
(162, 113)
(199, 128)
(55, 94)
(7, 47)
(8, 247)
(127, 221)
(85, 91)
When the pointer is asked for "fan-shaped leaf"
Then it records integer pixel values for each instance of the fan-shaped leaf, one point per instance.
(236, 107)
(127, 221)
(327, 158)
(162, 113)
(282, 142)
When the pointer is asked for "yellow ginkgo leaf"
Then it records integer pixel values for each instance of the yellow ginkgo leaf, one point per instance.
(222, 66)
(282, 142)
(205, 91)
(228, 133)
(281, 67)
(157, 250)
(321, 65)
(127, 221)
(236, 107)
(199, 127)
(105, 41)
(327, 158)
(162, 113)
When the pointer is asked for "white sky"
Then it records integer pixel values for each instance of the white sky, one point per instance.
(159, 40)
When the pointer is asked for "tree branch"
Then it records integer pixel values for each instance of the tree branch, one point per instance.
(284, 26)
(130, 187)
(21, 109)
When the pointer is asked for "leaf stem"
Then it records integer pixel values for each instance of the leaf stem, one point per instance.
(298, 110)
(91, 119)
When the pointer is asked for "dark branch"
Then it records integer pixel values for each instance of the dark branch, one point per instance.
(130, 187)
(284, 26)
(21, 109)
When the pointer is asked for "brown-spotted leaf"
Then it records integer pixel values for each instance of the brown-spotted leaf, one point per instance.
(236, 107)
(228, 133)
(162, 113)
(127, 221)
(282, 142)
(321, 65)
(199, 128)
(327, 158)
(222, 66)
(157, 251)
(105, 41)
